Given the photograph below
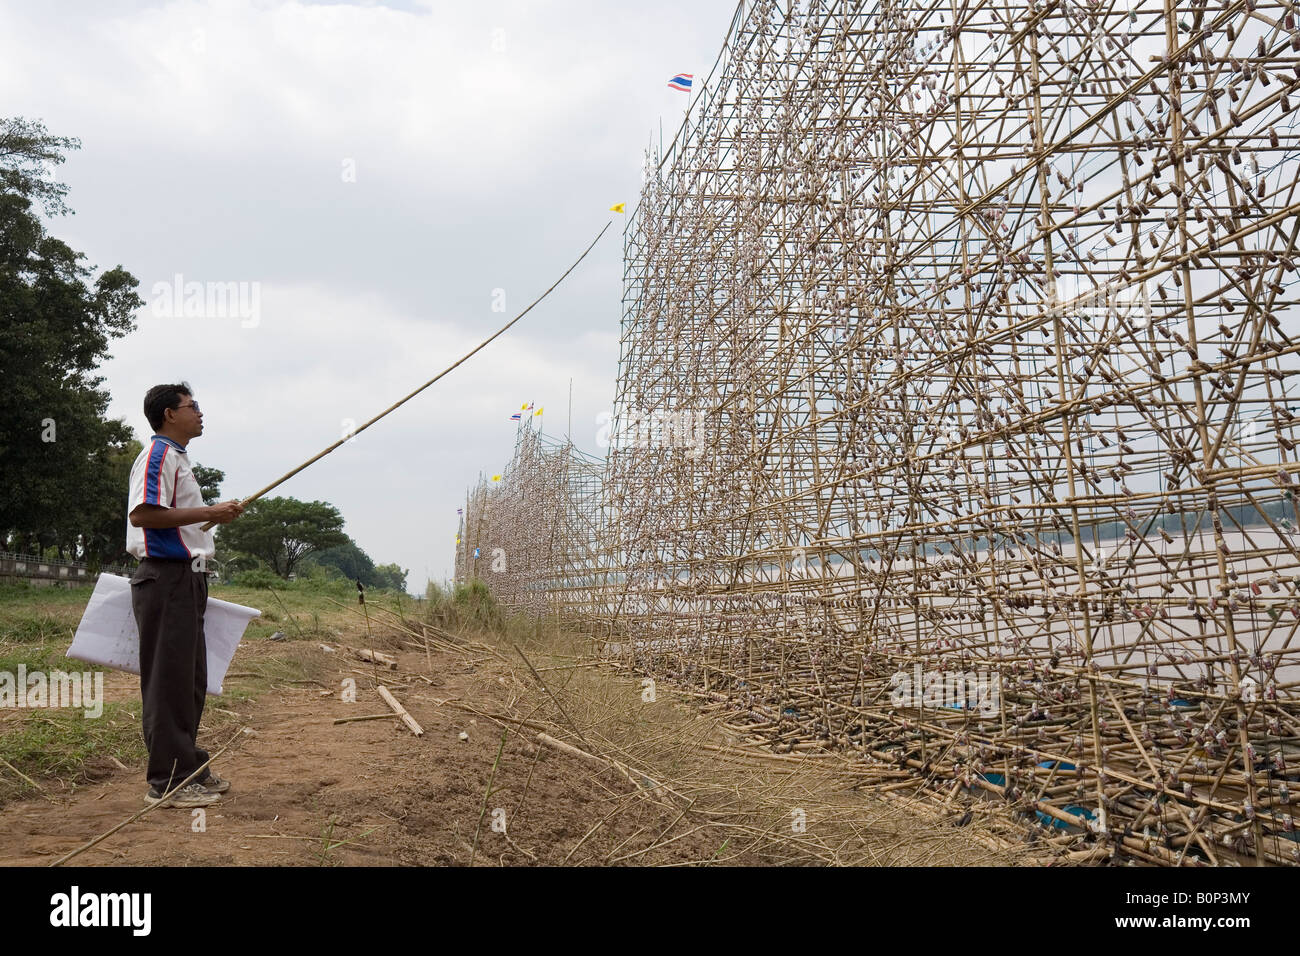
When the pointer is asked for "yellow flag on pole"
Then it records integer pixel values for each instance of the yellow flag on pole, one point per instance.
(620, 207)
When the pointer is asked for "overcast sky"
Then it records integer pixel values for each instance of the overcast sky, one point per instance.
(372, 174)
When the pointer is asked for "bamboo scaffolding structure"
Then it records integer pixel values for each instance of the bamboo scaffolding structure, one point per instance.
(954, 428)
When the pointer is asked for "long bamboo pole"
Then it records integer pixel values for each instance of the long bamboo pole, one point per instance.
(402, 401)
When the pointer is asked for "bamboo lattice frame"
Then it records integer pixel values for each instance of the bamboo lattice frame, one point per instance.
(959, 339)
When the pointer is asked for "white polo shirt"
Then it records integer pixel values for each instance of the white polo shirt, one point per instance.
(162, 476)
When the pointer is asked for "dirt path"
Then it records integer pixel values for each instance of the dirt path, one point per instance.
(308, 791)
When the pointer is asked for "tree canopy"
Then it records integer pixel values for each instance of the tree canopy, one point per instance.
(61, 460)
(209, 480)
(283, 531)
(390, 576)
(27, 151)
(348, 560)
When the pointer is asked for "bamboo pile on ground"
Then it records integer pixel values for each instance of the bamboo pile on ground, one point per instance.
(758, 807)
(762, 807)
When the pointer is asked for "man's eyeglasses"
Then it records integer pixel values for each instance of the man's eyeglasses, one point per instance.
(193, 405)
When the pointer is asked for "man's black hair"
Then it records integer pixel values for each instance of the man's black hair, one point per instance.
(162, 397)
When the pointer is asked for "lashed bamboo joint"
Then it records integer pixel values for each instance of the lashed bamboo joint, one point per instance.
(979, 318)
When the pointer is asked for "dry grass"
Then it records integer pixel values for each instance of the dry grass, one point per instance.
(756, 807)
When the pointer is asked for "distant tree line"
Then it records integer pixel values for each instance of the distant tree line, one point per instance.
(288, 537)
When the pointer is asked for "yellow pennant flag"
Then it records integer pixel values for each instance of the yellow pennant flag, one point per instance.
(536, 413)
(496, 477)
(621, 207)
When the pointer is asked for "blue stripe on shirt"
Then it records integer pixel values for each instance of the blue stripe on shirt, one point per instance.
(153, 472)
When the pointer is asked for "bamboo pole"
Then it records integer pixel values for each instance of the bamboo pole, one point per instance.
(402, 401)
(400, 711)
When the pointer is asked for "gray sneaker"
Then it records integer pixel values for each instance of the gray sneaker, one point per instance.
(216, 784)
(194, 795)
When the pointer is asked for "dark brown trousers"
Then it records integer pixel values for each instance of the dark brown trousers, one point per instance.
(169, 598)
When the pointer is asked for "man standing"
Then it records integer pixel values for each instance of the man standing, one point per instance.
(169, 594)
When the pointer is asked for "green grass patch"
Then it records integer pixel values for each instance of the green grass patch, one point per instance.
(33, 657)
(14, 591)
(467, 605)
(32, 615)
(310, 610)
(58, 743)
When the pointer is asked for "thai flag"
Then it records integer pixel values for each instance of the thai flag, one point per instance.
(682, 81)
(516, 417)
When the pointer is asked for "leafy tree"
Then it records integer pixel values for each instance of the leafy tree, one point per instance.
(390, 576)
(60, 459)
(26, 149)
(350, 561)
(209, 480)
(283, 531)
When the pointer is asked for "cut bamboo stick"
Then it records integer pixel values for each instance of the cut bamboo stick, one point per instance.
(400, 711)
(375, 657)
